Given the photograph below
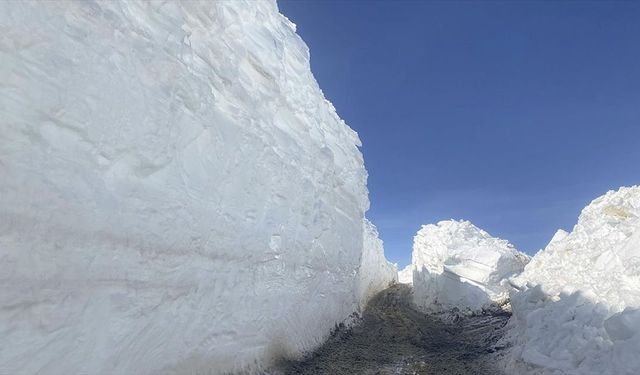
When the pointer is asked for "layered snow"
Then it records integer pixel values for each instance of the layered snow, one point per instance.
(457, 264)
(578, 307)
(176, 194)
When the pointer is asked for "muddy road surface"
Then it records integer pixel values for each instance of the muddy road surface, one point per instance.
(394, 338)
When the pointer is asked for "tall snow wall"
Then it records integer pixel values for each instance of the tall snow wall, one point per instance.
(456, 264)
(176, 194)
(578, 307)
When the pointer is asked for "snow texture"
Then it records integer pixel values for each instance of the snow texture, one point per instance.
(577, 310)
(375, 273)
(405, 276)
(176, 194)
(457, 264)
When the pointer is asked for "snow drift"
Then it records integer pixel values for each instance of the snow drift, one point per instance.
(176, 194)
(457, 264)
(578, 307)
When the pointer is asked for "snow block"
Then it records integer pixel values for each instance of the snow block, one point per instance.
(176, 194)
(577, 309)
(457, 264)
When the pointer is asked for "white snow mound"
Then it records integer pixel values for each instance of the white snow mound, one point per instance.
(176, 194)
(405, 276)
(599, 256)
(578, 310)
(457, 264)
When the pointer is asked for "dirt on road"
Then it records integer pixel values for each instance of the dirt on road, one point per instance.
(395, 338)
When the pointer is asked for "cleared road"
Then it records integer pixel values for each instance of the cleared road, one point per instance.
(394, 338)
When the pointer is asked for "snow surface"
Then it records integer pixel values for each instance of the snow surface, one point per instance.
(375, 273)
(577, 310)
(459, 265)
(176, 194)
(405, 276)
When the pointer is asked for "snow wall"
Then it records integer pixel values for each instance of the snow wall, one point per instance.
(176, 194)
(578, 307)
(456, 264)
(376, 273)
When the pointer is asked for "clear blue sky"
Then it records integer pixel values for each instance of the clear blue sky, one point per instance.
(513, 115)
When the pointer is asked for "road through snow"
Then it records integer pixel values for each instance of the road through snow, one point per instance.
(395, 338)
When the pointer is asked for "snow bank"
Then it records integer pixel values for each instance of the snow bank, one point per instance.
(459, 265)
(578, 311)
(375, 273)
(406, 275)
(175, 195)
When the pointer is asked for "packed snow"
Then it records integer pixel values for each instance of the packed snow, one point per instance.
(176, 193)
(457, 264)
(375, 273)
(405, 276)
(577, 307)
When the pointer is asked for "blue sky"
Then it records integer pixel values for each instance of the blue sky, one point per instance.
(513, 115)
